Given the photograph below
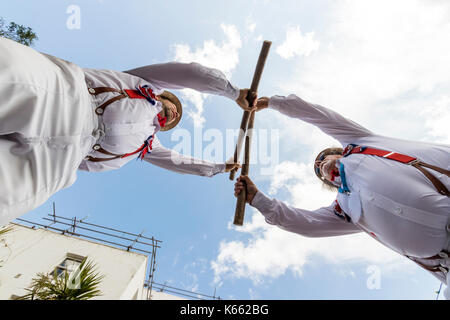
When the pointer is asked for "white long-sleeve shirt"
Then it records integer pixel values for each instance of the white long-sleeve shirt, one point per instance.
(129, 122)
(393, 202)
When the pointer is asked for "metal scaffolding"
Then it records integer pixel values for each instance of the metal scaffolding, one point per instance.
(118, 238)
(180, 292)
(102, 234)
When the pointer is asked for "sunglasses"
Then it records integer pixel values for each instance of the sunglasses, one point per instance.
(317, 164)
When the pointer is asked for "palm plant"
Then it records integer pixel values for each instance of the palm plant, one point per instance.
(82, 284)
(5, 230)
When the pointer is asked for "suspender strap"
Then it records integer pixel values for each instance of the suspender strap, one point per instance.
(115, 156)
(94, 159)
(101, 109)
(142, 149)
(440, 170)
(143, 92)
(436, 268)
(444, 254)
(419, 165)
(98, 148)
(440, 187)
(99, 90)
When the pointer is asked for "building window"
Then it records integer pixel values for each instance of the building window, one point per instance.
(69, 264)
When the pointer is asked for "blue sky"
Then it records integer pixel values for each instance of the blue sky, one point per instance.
(381, 64)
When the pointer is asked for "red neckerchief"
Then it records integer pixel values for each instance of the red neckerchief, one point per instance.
(162, 121)
(334, 174)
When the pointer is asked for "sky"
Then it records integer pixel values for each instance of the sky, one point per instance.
(383, 64)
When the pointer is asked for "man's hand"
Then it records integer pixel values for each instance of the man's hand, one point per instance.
(245, 182)
(242, 100)
(231, 166)
(262, 103)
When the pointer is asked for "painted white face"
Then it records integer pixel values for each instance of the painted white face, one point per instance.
(328, 165)
(169, 110)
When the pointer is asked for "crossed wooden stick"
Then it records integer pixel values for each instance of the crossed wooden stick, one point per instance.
(246, 131)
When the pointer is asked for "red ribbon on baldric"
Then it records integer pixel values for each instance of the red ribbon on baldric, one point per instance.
(142, 92)
(142, 149)
(352, 149)
(340, 213)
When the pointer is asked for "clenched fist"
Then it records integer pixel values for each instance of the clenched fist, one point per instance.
(245, 182)
(243, 102)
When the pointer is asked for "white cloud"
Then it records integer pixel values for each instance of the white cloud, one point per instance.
(253, 295)
(250, 24)
(385, 59)
(224, 57)
(303, 186)
(437, 119)
(297, 44)
(191, 272)
(270, 252)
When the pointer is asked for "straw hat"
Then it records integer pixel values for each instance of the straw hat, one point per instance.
(172, 98)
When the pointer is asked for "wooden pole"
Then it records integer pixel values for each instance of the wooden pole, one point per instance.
(248, 124)
(250, 98)
(237, 150)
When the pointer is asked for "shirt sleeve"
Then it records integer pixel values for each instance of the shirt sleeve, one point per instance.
(176, 162)
(177, 75)
(318, 223)
(330, 122)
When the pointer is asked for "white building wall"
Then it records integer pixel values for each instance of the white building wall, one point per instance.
(135, 288)
(24, 252)
(156, 295)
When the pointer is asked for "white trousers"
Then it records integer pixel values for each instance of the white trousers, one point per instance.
(46, 122)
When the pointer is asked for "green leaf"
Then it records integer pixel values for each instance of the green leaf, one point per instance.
(53, 287)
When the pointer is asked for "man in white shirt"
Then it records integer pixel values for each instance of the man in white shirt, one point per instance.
(394, 190)
(56, 118)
